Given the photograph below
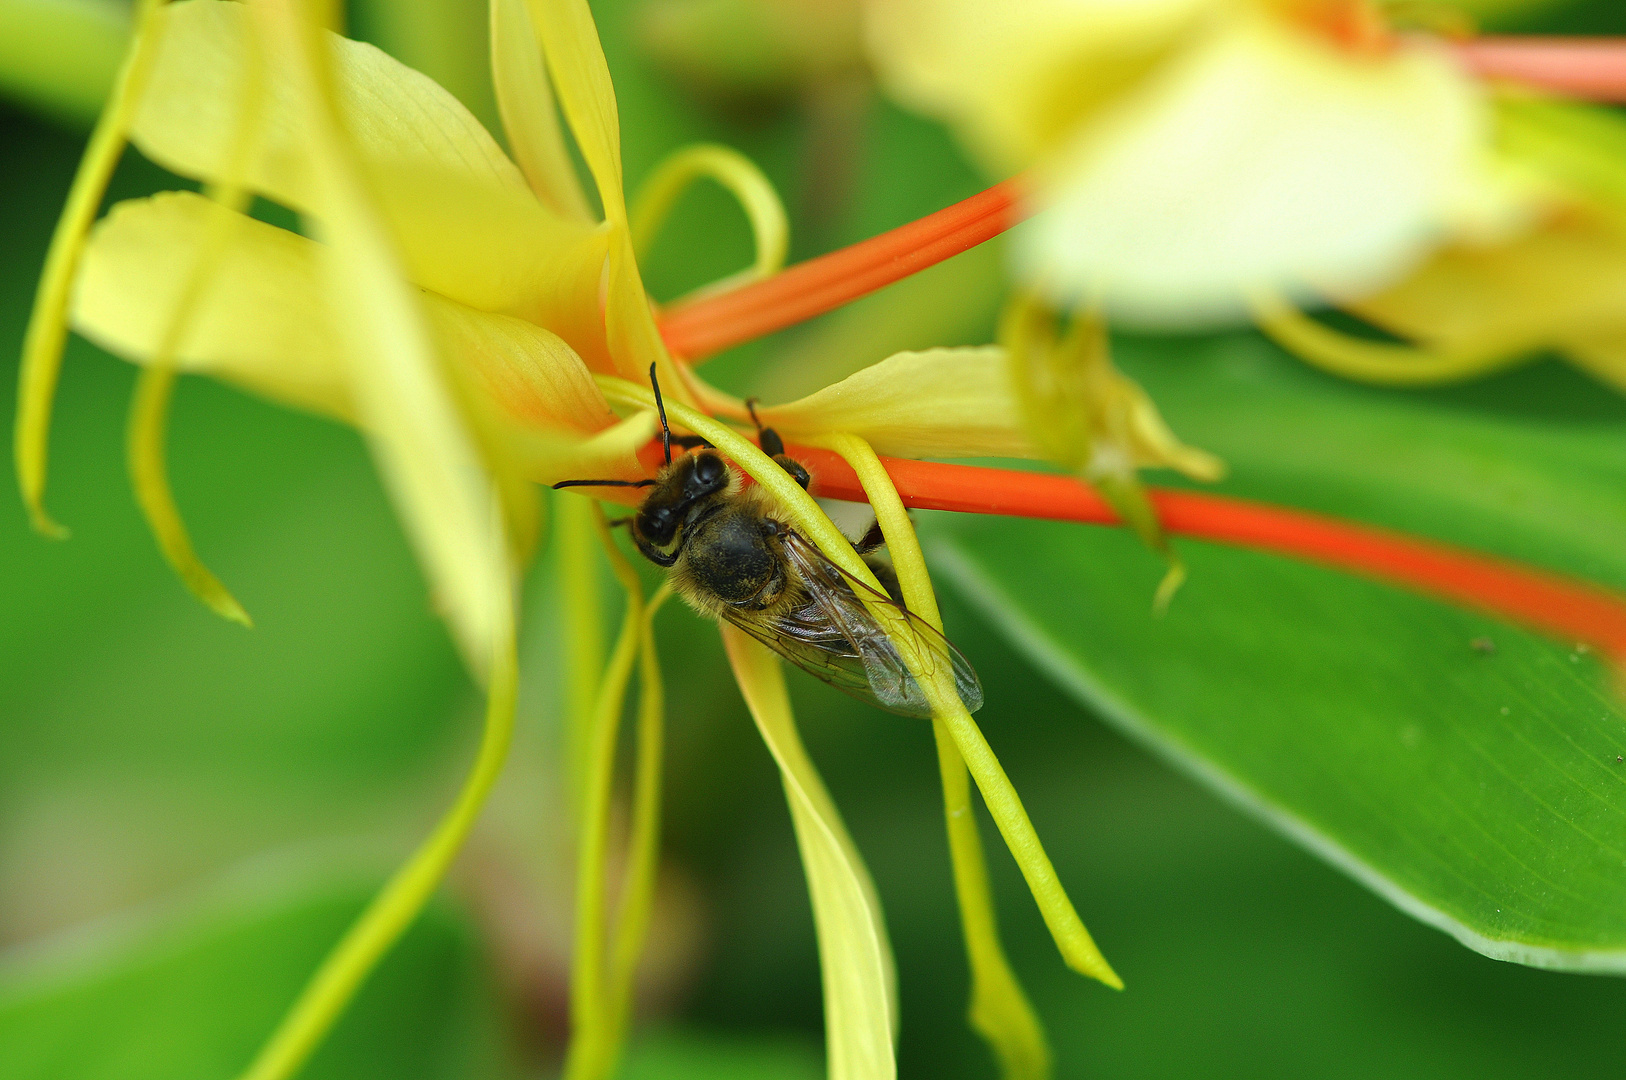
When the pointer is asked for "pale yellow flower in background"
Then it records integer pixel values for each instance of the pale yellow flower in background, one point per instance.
(1184, 153)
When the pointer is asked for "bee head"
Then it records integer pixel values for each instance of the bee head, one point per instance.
(683, 485)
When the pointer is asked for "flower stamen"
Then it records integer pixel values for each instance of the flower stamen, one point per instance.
(1567, 608)
(1590, 68)
(707, 326)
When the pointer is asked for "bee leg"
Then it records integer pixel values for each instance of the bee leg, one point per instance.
(797, 471)
(888, 577)
(872, 539)
(774, 447)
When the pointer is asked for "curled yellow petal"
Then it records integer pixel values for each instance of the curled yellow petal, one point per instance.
(741, 178)
(431, 463)
(441, 491)
(1371, 361)
(936, 403)
(519, 74)
(855, 959)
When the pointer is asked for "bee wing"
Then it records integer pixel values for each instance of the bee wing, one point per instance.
(808, 640)
(837, 622)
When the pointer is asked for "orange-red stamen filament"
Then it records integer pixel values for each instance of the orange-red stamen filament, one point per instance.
(1591, 68)
(1551, 603)
(706, 326)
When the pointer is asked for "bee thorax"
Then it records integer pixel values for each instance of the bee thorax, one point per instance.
(729, 559)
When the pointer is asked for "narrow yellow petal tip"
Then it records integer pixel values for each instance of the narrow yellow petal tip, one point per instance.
(45, 524)
(1173, 578)
(1079, 952)
(1108, 976)
(227, 607)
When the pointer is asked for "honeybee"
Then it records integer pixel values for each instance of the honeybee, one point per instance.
(732, 557)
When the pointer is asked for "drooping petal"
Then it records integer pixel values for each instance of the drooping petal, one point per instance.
(466, 224)
(525, 100)
(429, 458)
(855, 958)
(1263, 158)
(936, 403)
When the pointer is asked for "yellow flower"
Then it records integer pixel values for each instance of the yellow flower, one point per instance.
(1556, 283)
(486, 332)
(1185, 153)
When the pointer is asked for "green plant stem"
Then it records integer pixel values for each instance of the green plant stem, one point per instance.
(578, 575)
(400, 901)
(643, 847)
(596, 996)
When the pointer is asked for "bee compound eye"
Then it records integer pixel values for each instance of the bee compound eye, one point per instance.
(709, 469)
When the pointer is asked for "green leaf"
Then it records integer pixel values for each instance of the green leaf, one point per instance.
(192, 994)
(1480, 791)
(688, 1055)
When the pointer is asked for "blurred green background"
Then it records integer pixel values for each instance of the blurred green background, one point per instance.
(189, 812)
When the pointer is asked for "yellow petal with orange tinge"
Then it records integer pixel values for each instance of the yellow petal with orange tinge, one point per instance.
(1263, 158)
(461, 214)
(936, 403)
(855, 959)
(520, 77)
(265, 324)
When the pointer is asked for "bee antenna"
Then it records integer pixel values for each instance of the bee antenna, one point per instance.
(604, 483)
(660, 406)
(751, 407)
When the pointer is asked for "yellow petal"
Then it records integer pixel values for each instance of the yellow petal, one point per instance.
(1564, 278)
(265, 324)
(1263, 158)
(262, 321)
(936, 403)
(854, 957)
(430, 460)
(582, 77)
(528, 115)
(395, 115)
(466, 224)
(1603, 353)
(1011, 78)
